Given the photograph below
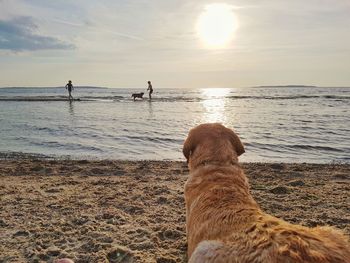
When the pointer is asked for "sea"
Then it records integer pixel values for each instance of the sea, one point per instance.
(291, 124)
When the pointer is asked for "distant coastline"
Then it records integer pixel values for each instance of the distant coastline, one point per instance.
(286, 86)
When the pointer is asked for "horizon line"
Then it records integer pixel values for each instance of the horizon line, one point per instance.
(256, 86)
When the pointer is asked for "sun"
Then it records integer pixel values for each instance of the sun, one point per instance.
(217, 25)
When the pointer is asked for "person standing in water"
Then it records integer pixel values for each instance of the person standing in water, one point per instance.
(69, 87)
(150, 88)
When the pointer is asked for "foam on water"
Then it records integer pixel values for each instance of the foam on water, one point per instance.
(302, 124)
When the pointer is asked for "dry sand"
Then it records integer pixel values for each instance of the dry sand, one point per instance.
(122, 211)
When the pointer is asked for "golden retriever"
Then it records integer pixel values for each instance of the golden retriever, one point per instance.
(225, 224)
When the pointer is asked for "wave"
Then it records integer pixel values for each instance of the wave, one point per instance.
(23, 156)
(169, 99)
(317, 148)
(293, 97)
(36, 98)
(283, 147)
(153, 139)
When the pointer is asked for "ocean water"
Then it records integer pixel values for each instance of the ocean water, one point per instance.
(276, 124)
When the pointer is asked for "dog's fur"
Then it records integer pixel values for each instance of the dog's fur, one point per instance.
(137, 95)
(225, 224)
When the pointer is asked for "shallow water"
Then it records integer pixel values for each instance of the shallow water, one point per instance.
(299, 124)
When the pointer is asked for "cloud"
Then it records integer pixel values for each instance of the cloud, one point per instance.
(19, 34)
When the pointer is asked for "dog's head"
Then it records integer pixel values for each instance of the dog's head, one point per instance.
(212, 142)
(141, 94)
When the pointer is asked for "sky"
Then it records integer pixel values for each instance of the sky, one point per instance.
(125, 43)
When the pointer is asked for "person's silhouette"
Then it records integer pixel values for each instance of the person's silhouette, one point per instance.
(150, 88)
(69, 87)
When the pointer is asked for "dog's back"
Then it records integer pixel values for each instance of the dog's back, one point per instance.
(137, 95)
(271, 240)
(224, 223)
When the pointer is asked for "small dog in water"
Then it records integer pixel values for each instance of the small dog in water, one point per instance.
(137, 95)
(224, 223)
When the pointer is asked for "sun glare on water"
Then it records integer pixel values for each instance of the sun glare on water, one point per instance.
(216, 25)
(214, 104)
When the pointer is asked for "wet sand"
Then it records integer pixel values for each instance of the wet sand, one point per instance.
(124, 211)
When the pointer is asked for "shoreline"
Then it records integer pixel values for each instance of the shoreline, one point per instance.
(18, 156)
(102, 210)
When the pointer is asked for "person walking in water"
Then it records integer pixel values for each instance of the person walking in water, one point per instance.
(69, 87)
(150, 88)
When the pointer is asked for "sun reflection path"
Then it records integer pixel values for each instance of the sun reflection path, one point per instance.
(214, 101)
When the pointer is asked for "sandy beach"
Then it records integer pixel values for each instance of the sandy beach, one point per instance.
(124, 211)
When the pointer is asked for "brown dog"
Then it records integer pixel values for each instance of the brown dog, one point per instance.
(225, 224)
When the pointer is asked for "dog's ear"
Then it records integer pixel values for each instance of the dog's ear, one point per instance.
(188, 147)
(236, 143)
